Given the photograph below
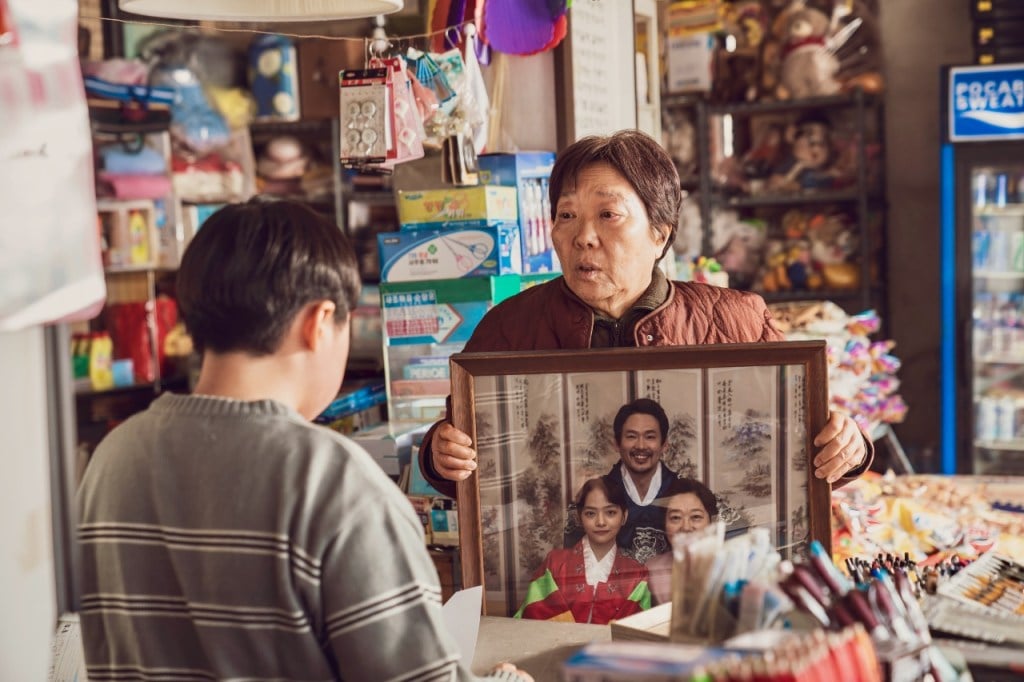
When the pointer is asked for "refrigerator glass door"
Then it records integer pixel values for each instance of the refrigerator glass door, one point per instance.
(997, 317)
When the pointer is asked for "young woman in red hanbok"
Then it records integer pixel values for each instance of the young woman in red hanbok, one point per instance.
(593, 582)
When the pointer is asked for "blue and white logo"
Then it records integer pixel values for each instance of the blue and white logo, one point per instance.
(986, 103)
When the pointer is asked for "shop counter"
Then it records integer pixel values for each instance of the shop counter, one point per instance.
(537, 646)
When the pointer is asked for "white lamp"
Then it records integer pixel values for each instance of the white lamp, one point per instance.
(261, 10)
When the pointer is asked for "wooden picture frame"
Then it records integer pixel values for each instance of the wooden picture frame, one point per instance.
(541, 422)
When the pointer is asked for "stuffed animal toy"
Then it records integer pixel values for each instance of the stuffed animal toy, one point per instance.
(857, 46)
(834, 244)
(737, 67)
(808, 166)
(736, 245)
(808, 67)
(833, 239)
(788, 267)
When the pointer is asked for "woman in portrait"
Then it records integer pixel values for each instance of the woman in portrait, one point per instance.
(592, 582)
(689, 506)
(615, 207)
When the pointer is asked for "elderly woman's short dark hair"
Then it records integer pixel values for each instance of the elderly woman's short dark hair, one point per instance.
(682, 486)
(639, 159)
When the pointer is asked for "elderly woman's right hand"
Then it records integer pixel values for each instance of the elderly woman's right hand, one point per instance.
(452, 452)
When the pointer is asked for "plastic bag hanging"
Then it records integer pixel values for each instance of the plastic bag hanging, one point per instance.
(51, 269)
(476, 97)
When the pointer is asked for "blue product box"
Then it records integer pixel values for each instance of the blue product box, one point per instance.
(625, 661)
(450, 253)
(439, 312)
(509, 170)
(528, 172)
(424, 323)
(354, 399)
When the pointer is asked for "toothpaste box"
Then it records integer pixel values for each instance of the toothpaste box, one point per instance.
(528, 172)
(483, 203)
(413, 255)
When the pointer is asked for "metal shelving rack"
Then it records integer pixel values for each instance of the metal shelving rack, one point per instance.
(862, 198)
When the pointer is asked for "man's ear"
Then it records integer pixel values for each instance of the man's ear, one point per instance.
(316, 317)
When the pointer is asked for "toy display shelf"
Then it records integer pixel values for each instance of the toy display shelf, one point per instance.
(864, 199)
(821, 197)
(840, 101)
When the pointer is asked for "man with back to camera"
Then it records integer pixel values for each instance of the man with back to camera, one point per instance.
(223, 535)
(641, 435)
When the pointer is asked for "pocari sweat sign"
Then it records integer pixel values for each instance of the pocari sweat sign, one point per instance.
(986, 102)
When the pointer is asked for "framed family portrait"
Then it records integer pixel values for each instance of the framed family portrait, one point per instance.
(741, 419)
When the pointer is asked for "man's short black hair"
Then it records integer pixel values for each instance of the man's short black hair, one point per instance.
(253, 266)
(641, 406)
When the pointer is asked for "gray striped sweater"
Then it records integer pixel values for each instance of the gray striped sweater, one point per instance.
(230, 540)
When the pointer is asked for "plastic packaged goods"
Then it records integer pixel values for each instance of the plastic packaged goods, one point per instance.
(101, 357)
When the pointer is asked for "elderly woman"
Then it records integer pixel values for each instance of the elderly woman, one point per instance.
(689, 506)
(616, 205)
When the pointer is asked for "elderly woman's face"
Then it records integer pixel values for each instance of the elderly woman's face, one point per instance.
(685, 514)
(604, 240)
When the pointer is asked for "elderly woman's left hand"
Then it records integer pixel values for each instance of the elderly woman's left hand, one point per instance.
(842, 448)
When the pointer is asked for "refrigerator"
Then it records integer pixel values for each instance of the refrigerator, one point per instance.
(982, 270)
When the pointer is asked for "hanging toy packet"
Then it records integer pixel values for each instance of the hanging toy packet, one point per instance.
(367, 124)
(407, 141)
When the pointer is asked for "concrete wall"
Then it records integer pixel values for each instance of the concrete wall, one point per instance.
(27, 594)
(918, 37)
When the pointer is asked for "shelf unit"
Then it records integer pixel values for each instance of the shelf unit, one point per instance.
(861, 200)
(312, 133)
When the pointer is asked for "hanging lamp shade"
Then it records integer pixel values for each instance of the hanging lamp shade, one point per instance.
(261, 10)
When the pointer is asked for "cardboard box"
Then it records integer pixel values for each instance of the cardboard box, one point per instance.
(440, 207)
(390, 444)
(429, 254)
(689, 62)
(423, 324)
(528, 172)
(510, 170)
(444, 521)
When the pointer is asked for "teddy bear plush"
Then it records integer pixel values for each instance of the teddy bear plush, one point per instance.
(808, 68)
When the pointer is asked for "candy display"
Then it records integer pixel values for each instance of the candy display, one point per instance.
(929, 520)
(862, 373)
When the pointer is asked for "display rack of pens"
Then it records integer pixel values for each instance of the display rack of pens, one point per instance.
(883, 600)
(984, 601)
(924, 578)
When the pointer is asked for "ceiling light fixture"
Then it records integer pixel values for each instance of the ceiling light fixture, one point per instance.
(261, 10)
